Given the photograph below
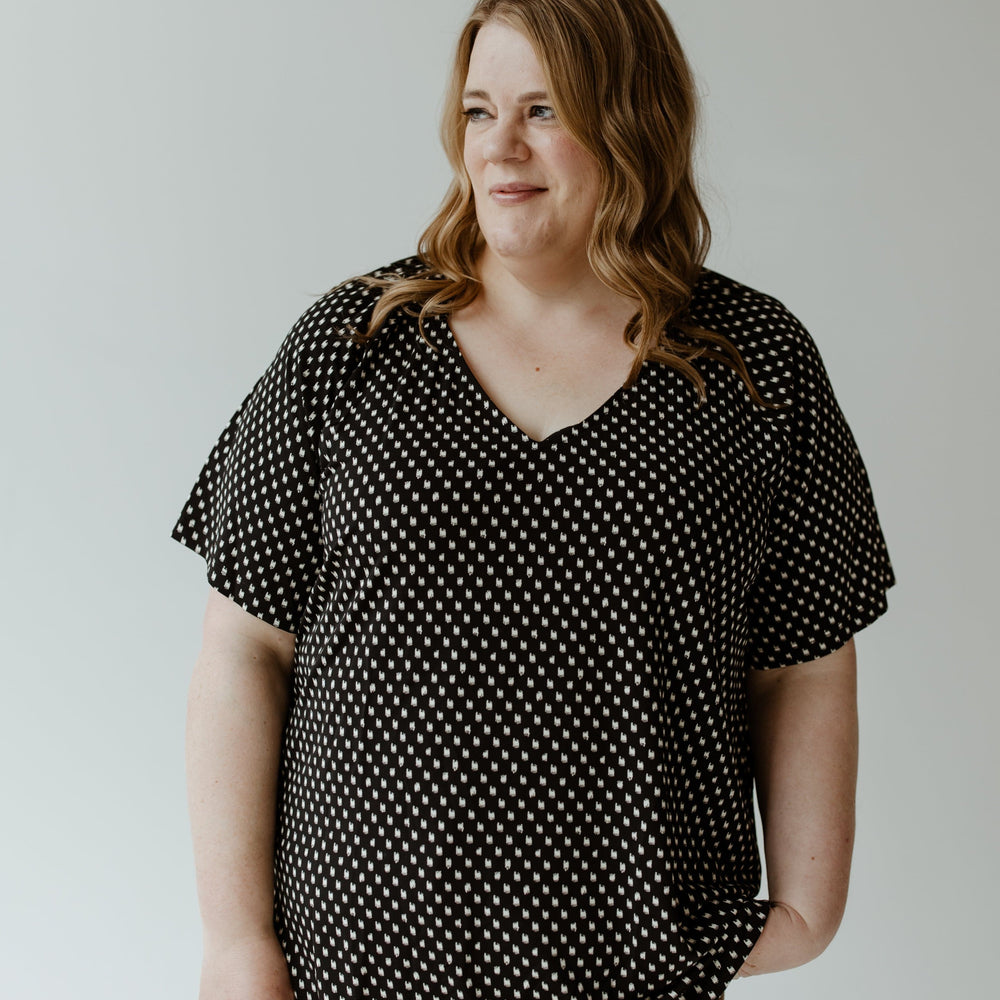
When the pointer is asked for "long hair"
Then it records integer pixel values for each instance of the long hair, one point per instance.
(622, 88)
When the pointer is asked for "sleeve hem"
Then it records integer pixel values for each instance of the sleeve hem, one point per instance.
(864, 616)
(265, 612)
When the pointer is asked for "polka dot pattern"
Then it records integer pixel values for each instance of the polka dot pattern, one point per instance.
(516, 763)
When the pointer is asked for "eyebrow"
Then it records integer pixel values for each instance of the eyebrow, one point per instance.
(534, 95)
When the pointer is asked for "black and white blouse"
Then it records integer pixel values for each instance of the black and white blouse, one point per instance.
(516, 763)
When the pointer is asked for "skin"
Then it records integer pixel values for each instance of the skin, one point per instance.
(541, 242)
(545, 337)
(535, 277)
(237, 703)
(804, 741)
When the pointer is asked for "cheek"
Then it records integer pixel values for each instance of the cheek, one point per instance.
(577, 167)
(470, 156)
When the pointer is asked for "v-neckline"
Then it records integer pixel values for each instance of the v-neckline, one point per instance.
(500, 417)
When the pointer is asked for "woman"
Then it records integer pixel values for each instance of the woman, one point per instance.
(529, 554)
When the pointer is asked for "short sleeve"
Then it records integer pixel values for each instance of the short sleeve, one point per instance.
(825, 568)
(254, 512)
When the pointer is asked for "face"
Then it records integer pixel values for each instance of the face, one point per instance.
(536, 189)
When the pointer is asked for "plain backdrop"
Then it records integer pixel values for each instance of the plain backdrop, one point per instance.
(180, 181)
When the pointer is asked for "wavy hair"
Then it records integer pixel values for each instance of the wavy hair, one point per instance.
(622, 88)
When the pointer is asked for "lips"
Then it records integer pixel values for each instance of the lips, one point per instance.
(514, 188)
(514, 193)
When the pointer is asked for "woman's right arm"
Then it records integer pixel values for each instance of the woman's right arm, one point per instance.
(804, 739)
(237, 704)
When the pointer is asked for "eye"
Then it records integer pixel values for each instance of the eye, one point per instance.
(473, 114)
(545, 113)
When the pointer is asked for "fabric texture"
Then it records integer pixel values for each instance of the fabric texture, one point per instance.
(516, 763)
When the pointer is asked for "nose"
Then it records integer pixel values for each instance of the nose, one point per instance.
(504, 142)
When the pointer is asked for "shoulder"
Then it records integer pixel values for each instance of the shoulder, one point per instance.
(328, 327)
(779, 351)
(405, 267)
(351, 299)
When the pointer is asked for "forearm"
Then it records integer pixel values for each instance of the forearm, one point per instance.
(236, 713)
(805, 747)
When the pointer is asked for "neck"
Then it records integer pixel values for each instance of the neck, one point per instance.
(526, 292)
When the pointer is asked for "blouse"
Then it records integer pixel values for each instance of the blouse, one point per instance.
(516, 762)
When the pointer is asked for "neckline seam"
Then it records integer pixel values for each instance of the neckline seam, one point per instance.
(508, 425)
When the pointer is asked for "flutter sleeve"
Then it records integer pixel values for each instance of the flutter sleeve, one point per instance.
(825, 568)
(254, 512)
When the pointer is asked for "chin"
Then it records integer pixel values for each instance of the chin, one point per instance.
(511, 245)
(507, 240)
(511, 251)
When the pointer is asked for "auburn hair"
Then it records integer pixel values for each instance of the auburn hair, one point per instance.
(622, 88)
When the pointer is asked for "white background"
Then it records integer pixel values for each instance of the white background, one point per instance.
(181, 180)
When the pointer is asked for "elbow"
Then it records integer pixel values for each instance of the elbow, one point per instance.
(818, 899)
(817, 924)
(823, 929)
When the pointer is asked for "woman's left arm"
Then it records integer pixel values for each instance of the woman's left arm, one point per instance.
(804, 741)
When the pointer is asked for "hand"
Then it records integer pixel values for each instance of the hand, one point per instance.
(246, 969)
(785, 942)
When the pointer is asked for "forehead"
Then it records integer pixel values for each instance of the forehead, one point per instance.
(501, 53)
